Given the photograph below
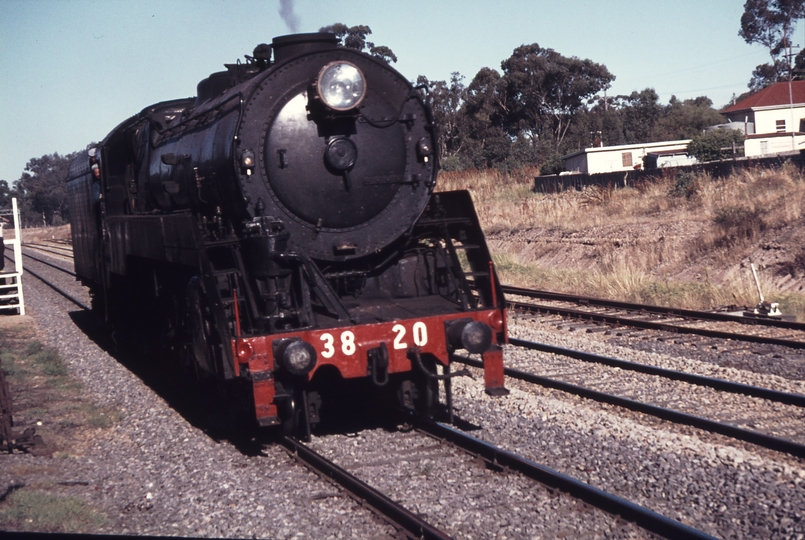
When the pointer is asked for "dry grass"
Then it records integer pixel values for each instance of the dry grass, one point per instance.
(684, 241)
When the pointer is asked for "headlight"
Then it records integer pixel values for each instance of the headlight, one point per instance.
(474, 336)
(296, 356)
(341, 86)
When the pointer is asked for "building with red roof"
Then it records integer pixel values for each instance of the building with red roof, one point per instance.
(773, 119)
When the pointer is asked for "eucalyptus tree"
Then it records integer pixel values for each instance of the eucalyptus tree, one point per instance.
(771, 23)
(446, 100)
(354, 37)
(42, 189)
(544, 89)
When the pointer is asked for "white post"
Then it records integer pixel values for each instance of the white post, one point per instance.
(16, 276)
(757, 283)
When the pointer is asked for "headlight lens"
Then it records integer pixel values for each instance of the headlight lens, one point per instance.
(296, 356)
(474, 336)
(341, 86)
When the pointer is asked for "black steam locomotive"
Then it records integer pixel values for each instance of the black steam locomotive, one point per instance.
(279, 233)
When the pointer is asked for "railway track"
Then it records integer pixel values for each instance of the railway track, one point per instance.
(48, 263)
(498, 457)
(62, 250)
(413, 526)
(752, 436)
(583, 389)
(397, 514)
(394, 513)
(604, 315)
(62, 291)
(498, 468)
(495, 459)
(610, 315)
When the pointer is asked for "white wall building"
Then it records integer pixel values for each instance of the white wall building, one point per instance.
(773, 119)
(625, 157)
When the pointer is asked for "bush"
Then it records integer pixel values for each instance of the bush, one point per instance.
(686, 185)
(737, 224)
(454, 163)
(553, 165)
(707, 147)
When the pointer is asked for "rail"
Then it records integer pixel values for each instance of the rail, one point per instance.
(641, 516)
(413, 525)
(761, 439)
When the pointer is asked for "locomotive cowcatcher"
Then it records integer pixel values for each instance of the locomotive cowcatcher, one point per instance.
(280, 234)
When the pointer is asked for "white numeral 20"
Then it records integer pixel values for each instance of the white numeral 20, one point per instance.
(420, 335)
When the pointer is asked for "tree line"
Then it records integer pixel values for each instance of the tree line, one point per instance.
(539, 106)
(40, 191)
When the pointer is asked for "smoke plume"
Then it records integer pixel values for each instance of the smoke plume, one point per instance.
(287, 14)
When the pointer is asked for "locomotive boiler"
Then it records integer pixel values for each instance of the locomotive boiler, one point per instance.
(280, 234)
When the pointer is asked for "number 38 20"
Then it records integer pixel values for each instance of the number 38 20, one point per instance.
(419, 336)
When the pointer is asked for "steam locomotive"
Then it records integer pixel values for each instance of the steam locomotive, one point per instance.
(281, 235)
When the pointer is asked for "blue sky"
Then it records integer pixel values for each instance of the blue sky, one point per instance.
(71, 70)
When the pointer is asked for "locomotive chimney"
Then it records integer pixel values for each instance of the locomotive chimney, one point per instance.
(294, 45)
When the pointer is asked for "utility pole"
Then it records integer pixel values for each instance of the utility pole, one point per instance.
(789, 56)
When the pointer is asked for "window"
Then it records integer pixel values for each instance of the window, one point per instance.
(780, 126)
(626, 159)
(764, 148)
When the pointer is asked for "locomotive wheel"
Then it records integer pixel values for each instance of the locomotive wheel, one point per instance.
(290, 415)
(299, 414)
(420, 394)
(427, 399)
(196, 358)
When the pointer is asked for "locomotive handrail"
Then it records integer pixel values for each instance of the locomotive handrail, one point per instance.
(382, 124)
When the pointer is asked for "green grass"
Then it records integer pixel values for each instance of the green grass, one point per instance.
(32, 347)
(10, 364)
(50, 362)
(35, 511)
(101, 417)
(52, 396)
(23, 360)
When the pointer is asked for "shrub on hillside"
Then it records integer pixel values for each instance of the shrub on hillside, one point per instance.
(738, 224)
(454, 163)
(686, 185)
